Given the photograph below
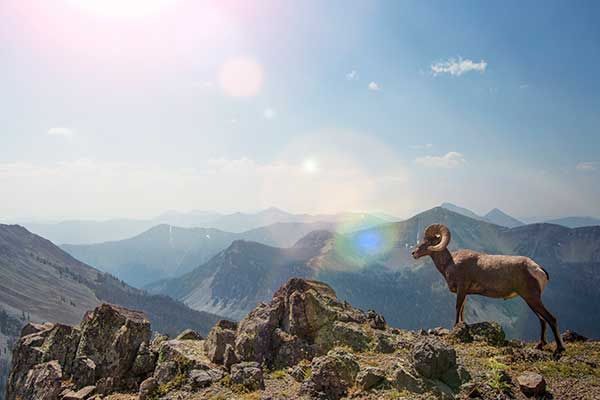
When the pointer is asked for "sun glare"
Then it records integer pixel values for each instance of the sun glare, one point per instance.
(241, 77)
(123, 8)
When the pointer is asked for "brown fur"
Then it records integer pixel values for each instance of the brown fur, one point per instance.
(498, 276)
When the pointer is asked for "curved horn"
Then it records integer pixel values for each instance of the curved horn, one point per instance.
(443, 231)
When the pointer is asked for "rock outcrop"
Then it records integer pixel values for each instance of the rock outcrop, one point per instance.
(100, 353)
(303, 320)
(304, 344)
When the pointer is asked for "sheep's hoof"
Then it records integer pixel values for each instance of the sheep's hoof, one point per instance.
(558, 352)
(540, 346)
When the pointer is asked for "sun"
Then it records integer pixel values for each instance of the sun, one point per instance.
(123, 8)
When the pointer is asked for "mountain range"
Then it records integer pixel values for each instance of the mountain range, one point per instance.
(499, 217)
(40, 282)
(90, 231)
(167, 251)
(373, 268)
(495, 216)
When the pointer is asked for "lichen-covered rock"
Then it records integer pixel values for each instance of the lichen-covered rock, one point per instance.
(298, 323)
(490, 332)
(187, 354)
(42, 344)
(166, 372)
(221, 335)
(376, 320)
(332, 375)
(83, 372)
(299, 372)
(189, 334)
(147, 388)
(248, 374)
(369, 377)
(157, 341)
(145, 361)
(202, 378)
(531, 383)
(570, 336)
(405, 378)
(435, 360)
(42, 382)
(230, 357)
(111, 337)
(81, 394)
(384, 342)
(350, 334)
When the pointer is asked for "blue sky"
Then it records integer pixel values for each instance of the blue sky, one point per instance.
(132, 108)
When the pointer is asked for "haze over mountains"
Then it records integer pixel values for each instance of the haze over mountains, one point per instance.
(167, 251)
(87, 232)
(373, 269)
(499, 217)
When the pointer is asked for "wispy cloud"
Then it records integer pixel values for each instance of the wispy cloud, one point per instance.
(421, 146)
(352, 75)
(269, 113)
(588, 166)
(60, 131)
(374, 86)
(458, 67)
(452, 159)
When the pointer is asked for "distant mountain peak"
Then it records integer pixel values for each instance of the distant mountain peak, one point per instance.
(499, 217)
(461, 210)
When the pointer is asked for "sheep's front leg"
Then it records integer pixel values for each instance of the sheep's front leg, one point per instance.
(461, 296)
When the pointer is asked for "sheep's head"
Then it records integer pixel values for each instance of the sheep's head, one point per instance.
(436, 238)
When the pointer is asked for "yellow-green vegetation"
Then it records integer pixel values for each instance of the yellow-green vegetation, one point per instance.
(496, 380)
(163, 389)
(240, 389)
(278, 374)
(226, 381)
(218, 396)
(307, 373)
(575, 369)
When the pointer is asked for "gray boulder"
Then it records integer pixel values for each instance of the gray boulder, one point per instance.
(434, 360)
(221, 335)
(531, 383)
(332, 375)
(404, 378)
(298, 324)
(147, 388)
(43, 382)
(248, 374)
(369, 377)
(111, 337)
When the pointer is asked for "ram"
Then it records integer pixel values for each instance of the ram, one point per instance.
(498, 276)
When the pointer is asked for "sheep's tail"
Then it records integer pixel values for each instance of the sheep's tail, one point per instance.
(546, 272)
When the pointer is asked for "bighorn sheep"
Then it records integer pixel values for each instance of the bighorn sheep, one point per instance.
(497, 276)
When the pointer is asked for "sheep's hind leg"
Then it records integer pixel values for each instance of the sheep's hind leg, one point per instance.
(542, 342)
(538, 307)
(462, 310)
(460, 303)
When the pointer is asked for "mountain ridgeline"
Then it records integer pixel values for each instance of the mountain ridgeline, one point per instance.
(167, 251)
(373, 268)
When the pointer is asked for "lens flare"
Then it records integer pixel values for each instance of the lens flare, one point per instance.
(241, 77)
(359, 249)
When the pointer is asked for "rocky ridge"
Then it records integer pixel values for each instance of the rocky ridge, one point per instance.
(303, 344)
